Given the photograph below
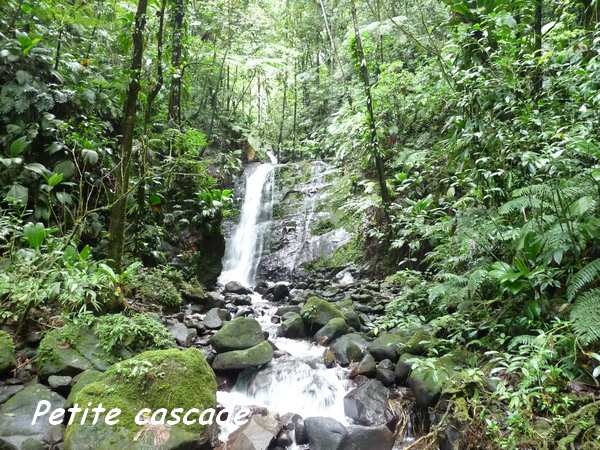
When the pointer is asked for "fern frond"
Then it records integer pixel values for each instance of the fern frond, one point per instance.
(583, 278)
(585, 317)
(476, 280)
(520, 203)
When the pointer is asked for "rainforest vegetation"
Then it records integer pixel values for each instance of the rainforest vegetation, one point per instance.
(467, 138)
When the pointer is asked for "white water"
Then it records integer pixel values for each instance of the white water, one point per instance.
(243, 249)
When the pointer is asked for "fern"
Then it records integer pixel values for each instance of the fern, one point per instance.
(585, 316)
(583, 278)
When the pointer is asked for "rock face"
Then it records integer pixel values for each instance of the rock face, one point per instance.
(16, 430)
(317, 312)
(238, 334)
(236, 288)
(156, 379)
(256, 434)
(7, 352)
(324, 433)
(368, 404)
(349, 348)
(243, 359)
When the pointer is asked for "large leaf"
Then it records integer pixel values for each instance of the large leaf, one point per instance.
(18, 193)
(19, 146)
(34, 234)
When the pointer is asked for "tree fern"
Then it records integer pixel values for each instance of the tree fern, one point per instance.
(585, 316)
(583, 278)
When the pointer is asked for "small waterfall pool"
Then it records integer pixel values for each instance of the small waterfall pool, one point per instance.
(297, 382)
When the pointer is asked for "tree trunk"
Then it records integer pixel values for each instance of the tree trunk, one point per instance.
(283, 108)
(538, 77)
(364, 72)
(295, 120)
(177, 43)
(118, 212)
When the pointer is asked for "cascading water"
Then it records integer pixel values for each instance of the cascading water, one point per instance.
(243, 250)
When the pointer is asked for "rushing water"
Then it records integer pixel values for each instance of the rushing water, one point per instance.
(297, 382)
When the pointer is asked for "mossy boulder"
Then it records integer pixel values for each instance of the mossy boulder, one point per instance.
(238, 334)
(387, 345)
(155, 379)
(243, 359)
(292, 327)
(335, 328)
(8, 359)
(428, 379)
(82, 380)
(349, 348)
(350, 315)
(317, 312)
(16, 429)
(419, 343)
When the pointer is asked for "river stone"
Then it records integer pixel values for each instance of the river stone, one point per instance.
(8, 391)
(386, 346)
(236, 288)
(365, 367)
(368, 404)
(256, 434)
(215, 318)
(292, 327)
(349, 348)
(385, 372)
(335, 328)
(16, 430)
(282, 310)
(403, 367)
(82, 380)
(324, 433)
(8, 358)
(239, 300)
(213, 300)
(239, 334)
(351, 316)
(183, 335)
(368, 438)
(427, 381)
(243, 359)
(420, 342)
(170, 379)
(280, 291)
(60, 384)
(317, 312)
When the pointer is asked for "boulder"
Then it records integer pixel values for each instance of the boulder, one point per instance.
(427, 381)
(335, 328)
(351, 316)
(419, 343)
(60, 384)
(239, 334)
(183, 335)
(280, 291)
(16, 429)
(215, 318)
(256, 434)
(324, 433)
(236, 288)
(8, 358)
(156, 379)
(349, 348)
(386, 346)
(368, 404)
(368, 438)
(282, 310)
(366, 367)
(404, 366)
(239, 300)
(317, 312)
(8, 391)
(385, 372)
(213, 300)
(82, 380)
(255, 356)
(292, 327)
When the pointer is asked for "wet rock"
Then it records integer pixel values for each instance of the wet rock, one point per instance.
(404, 366)
(280, 291)
(282, 310)
(239, 300)
(368, 404)
(255, 356)
(335, 328)
(8, 358)
(385, 372)
(292, 327)
(81, 381)
(344, 278)
(261, 287)
(215, 318)
(349, 348)
(236, 288)
(183, 335)
(16, 429)
(256, 434)
(213, 300)
(368, 438)
(365, 367)
(329, 358)
(60, 384)
(427, 381)
(419, 343)
(239, 334)
(244, 311)
(324, 433)
(7, 392)
(386, 346)
(317, 312)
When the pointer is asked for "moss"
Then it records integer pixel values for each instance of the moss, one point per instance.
(347, 253)
(7, 352)
(318, 312)
(156, 286)
(155, 379)
(238, 334)
(243, 359)
(322, 226)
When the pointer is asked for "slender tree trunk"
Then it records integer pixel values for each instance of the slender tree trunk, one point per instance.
(283, 109)
(176, 57)
(59, 47)
(538, 77)
(118, 212)
(364, 72)
(295, 120)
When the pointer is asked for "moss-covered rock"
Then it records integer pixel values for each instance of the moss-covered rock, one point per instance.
(238, 334)
(82, 380)
(317, 312)
(387, 345)
(243, 359)
(156, 379)
(349, 348)
(335, 328)
(428, 378)
(8, 359)
(292, 327)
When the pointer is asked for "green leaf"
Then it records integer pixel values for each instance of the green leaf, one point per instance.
(67, 168)
(19, 146)
(34, 234)
(64, 198)
(38, 168)
(90, 156)
(18, 194)
(55, 179)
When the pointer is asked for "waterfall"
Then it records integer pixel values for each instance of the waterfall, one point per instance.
(244, 248)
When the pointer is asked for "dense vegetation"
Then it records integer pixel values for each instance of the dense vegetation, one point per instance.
(468, 134)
